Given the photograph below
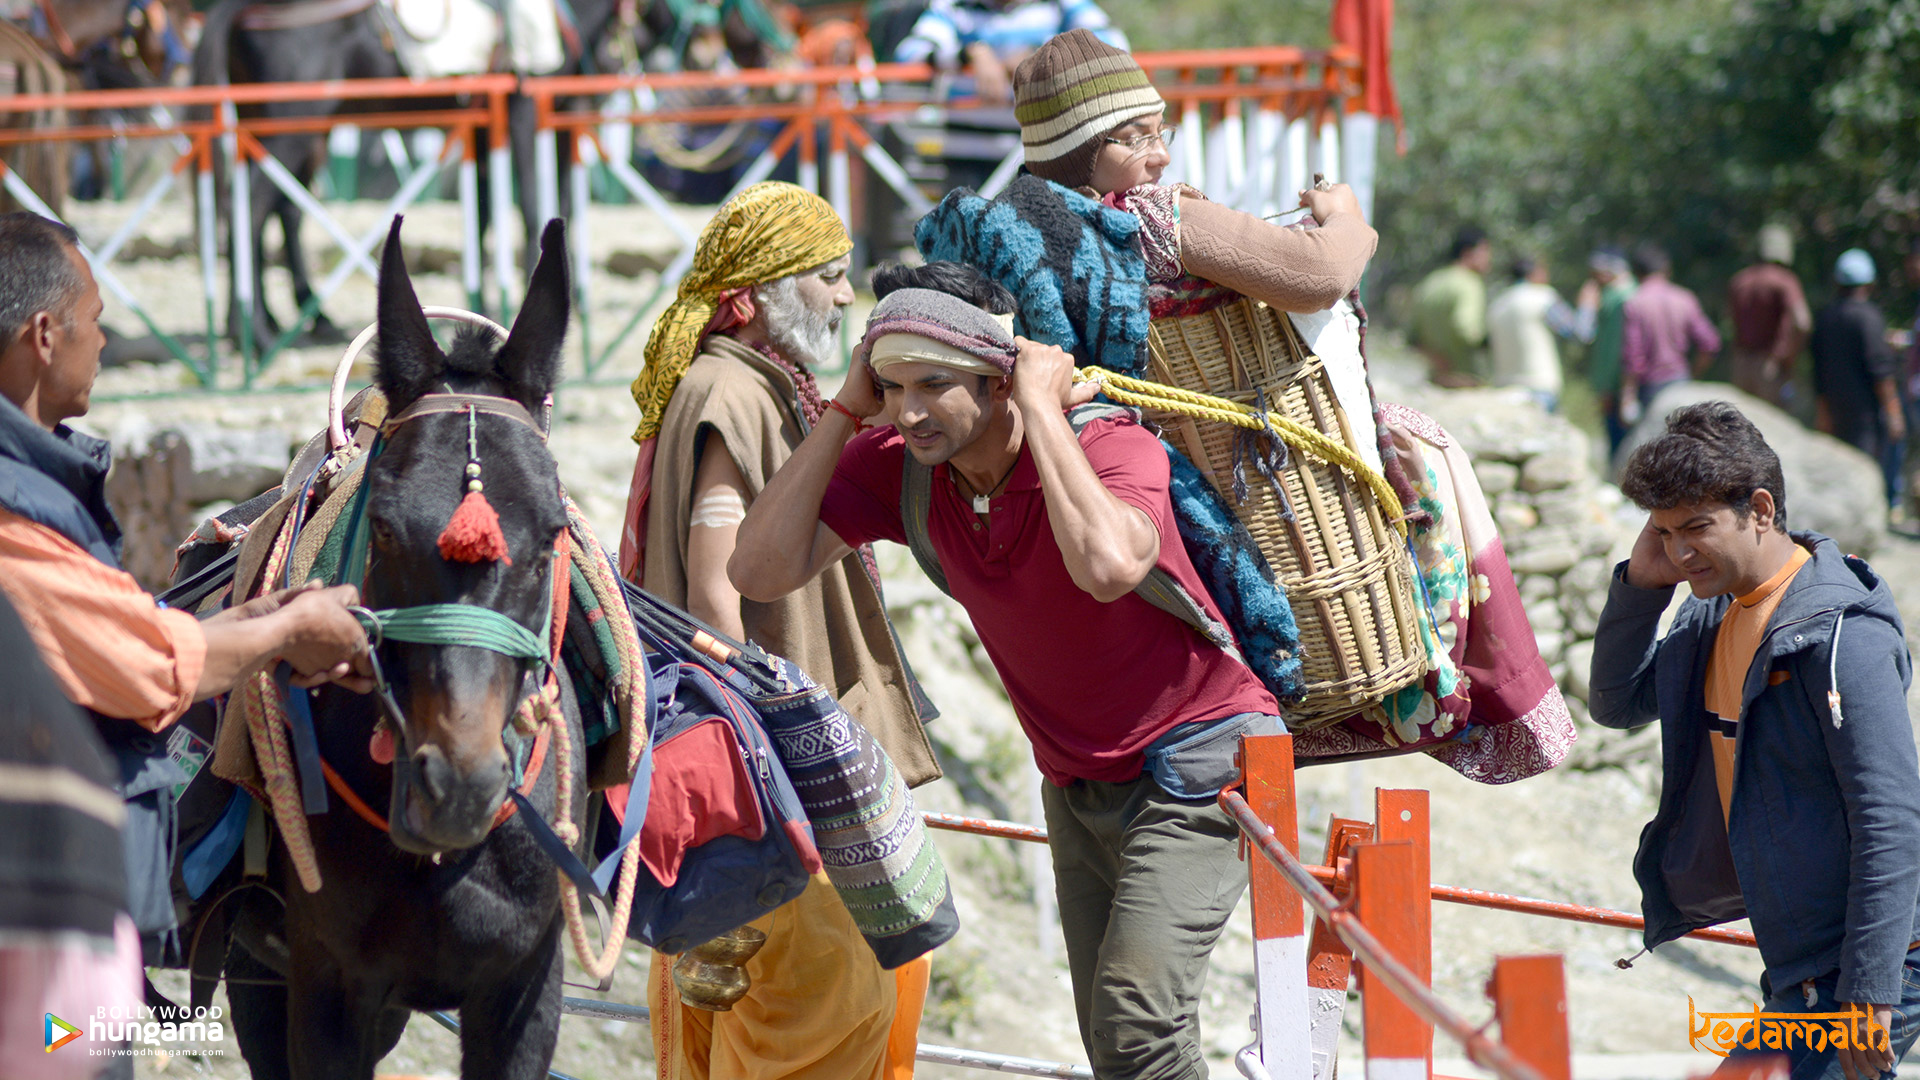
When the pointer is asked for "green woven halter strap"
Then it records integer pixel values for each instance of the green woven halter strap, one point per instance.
(454, 624)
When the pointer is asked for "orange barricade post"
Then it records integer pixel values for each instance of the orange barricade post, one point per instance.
(1385, 896)
(1279, 918)
(1530, 1001)
(1329, 961)
(1402, 815)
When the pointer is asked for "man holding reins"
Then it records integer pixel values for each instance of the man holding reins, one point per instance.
(133, 665)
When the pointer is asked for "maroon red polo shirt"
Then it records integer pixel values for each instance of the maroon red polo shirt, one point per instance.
(1093, 683)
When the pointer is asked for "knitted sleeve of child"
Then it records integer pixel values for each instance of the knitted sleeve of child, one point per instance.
(1301, 270)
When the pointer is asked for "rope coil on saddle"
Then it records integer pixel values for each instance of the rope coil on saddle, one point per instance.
(1143, 393)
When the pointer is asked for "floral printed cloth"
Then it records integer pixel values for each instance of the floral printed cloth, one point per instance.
(1489, 707)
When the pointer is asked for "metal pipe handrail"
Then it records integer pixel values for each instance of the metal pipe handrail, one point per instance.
(264, 93)
(1337, 879)
(1380, 963)
(882, 109)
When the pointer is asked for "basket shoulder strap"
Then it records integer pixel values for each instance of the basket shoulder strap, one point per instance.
(1158, 587)
(916, 503)
(1162, 591)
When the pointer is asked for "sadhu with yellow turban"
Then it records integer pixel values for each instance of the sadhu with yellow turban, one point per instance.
(726, 396)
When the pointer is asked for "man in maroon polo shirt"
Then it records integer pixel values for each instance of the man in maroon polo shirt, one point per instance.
(1042, 534)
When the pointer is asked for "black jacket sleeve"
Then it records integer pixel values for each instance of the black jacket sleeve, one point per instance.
(1624, 648)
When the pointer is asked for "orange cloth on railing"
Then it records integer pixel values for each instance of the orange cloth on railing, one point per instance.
(1366, 27)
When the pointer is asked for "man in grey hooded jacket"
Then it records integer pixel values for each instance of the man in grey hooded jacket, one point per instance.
(1790, 789)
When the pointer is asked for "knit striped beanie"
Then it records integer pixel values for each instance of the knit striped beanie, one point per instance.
(1069, 93)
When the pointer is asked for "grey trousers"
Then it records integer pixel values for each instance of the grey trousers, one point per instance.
(1145, 884)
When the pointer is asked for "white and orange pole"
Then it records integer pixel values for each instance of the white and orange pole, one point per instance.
(1279, 916)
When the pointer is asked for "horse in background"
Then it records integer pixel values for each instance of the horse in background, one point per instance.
(269, 41)
(55, 46)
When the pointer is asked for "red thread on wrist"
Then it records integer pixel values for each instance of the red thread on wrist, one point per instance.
(859, 425)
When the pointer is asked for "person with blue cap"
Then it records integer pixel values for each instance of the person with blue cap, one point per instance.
(1857, 397)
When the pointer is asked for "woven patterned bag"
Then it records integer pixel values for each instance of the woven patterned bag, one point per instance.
(1343, 562)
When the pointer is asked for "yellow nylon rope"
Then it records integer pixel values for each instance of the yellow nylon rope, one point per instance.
(1142, 393)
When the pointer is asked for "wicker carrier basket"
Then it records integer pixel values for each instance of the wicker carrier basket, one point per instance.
(1345, 567)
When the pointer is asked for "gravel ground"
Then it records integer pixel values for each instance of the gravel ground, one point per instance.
(1002, 984)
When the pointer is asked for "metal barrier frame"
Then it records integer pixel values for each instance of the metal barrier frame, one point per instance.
(1260, 121)
(1306, 88)
(238, 137)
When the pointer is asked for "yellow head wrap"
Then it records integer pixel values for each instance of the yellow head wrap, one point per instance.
(769, 231)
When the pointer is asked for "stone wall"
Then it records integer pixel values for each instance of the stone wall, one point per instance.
(165, 482)
(1562, 525)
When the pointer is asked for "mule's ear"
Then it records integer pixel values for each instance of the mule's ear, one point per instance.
(410, 360)
(529, 363)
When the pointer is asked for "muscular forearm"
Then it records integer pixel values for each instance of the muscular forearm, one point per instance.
(1107, 544)
(782, 544)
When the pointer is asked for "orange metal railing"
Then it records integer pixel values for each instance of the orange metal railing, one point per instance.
(1370, 922)
(1238, 106)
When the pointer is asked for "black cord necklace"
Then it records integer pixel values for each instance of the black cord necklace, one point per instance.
(981, 500)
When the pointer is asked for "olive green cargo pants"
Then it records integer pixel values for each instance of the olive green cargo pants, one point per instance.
(1145, 884)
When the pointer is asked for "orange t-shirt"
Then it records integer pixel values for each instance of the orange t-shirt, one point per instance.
(1741, 631)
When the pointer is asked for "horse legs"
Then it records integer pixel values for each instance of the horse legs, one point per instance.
(259, 1014)
(520, 128)
(343, 1029)
(509, 1031)
(322, 331)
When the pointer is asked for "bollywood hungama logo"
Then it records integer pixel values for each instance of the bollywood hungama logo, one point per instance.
(55, 1043)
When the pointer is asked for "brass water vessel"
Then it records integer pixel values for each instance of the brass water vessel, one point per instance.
(713, 976)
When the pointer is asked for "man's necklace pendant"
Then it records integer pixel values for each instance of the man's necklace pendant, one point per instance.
(980, 504)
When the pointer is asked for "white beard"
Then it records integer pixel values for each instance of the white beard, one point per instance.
(799, 333)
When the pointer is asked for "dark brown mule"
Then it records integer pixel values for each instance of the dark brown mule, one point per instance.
(446, 911)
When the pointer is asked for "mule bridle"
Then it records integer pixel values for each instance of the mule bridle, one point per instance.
(471, 625)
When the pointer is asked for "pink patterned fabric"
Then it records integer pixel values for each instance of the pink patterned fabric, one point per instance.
(1490, 708)
(69, 976)
(1158, 208)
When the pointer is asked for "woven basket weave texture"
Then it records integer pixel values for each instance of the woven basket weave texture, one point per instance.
(1344, 566)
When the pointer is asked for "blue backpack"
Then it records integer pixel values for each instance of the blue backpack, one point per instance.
(725, 881)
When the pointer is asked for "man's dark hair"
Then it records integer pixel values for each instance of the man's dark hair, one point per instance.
(953, 278)
(1523, 267)
(36, 272)
(1710, 453)
(1468, 238)
(1649, 259)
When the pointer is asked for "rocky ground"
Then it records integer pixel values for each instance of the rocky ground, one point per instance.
(1002, 984)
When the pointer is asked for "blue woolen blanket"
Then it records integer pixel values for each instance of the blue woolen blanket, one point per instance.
(1074, 264)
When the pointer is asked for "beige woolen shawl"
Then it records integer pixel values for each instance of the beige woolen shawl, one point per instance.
(835, 627)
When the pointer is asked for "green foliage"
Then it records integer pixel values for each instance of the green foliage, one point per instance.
(1157, 25)
(1560, 125)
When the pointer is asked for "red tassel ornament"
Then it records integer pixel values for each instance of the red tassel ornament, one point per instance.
(473, 534)
(380, 747)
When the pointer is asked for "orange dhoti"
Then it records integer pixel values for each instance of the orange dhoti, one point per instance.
(820, 1007)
